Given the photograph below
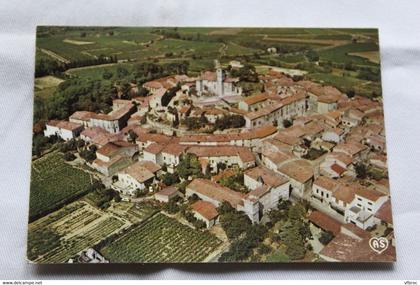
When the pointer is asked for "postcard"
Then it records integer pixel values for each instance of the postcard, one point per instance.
(206, 145)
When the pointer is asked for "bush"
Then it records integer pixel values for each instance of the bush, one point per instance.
(171, 207)
(88, 154)
(264, 249)
(170, 178)
(69, 156)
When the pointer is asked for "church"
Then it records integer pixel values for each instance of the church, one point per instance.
(217, 83)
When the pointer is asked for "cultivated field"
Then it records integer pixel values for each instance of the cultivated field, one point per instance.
(373, 56)
(47, 82)
(59, 236)
(161, 239)
(200, 46)
(54, 183)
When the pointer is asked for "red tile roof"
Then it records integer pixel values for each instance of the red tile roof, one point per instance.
(299, 170)
(347, 249)
(216, 192)
(338, 169)
(256, 98)
(325, 222)
(268, 176)
(384, 213)
(64, 125)
(205, 209)
(326, 183)
(244, 153)
(168, 191)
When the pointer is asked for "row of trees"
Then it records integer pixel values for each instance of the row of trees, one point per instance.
(45, 66)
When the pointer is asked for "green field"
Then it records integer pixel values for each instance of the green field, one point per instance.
(54, 183)
(278, 256)
(362, 87)
(161, 239)
(60, 235)
(78, 43)
(340, 54)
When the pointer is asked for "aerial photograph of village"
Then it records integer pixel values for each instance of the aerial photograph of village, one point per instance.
(190, 145)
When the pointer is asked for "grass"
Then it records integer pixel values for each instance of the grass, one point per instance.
(161, 239)
(277, 256)
(54, 183)
(47, 82)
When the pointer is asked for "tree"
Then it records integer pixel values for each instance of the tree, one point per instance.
(229, 121)
(264, 249)
(117, 198)
(107, 75)
(287, 123)
(246, 73)
(225, 208)
(351, 93)
(234, 223)
(69, 156)
(361, 171)
(132, 136)
(170, 178)
(88, 154)
(171, 207)
(296, 212)
(295, 245)
(189, 166)
(312, 55)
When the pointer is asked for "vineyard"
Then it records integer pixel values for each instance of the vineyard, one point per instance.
(53, 183)
(61, 235)
(161, 239)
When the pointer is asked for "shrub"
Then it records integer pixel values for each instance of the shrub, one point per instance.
(69, 156)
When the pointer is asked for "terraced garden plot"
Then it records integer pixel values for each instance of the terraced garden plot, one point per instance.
(61, 235)
(161, 239)
(53, 183)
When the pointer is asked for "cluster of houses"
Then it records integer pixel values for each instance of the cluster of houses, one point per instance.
(314, 159)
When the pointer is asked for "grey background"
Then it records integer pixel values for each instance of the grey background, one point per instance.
(399, 24)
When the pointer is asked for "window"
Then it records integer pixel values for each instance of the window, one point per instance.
(327, 195)
(369, 209)
(359, 205)
(360, 199)
(370, 203)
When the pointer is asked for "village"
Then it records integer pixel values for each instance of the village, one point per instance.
(200, 141)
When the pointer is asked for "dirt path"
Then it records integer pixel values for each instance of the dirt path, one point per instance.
(56, 56)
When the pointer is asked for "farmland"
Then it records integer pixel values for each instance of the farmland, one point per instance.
(54, 183)
(60, 235)
(138, 44)
(161, 239)
(200, 46)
